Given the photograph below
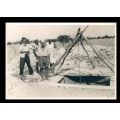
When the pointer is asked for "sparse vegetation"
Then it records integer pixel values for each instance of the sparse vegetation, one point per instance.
(64, 39)
(100, 37)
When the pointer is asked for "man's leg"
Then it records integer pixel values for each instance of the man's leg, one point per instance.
(37, 65)
(46, 62)
(52, 68)
(27, 60)
(46, 73)
(22, 64)
(42, 73)
(41, 65)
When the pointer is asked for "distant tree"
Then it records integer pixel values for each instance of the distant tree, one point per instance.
(113, 36)
(14, 42)
(99, 37)
(88, 37)
(9, 43)
(64, 39)
(105, 36)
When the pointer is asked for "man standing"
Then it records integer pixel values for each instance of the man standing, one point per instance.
(24, 57)
(43, 57)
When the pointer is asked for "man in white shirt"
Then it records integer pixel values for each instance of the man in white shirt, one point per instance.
(24, 57)
(43, 56)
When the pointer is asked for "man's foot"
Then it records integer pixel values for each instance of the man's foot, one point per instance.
(41, 77)
(31, 73)
(21, 77)
(47, 79)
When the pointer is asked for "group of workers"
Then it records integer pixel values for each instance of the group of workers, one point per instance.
(42, 55)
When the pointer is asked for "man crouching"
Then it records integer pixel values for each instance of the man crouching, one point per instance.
(43, 60)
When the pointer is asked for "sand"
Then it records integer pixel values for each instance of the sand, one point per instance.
(35, 88)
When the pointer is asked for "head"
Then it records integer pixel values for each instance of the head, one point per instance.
(43, 45)
(23, 41)
(49, 42)
(36, 41)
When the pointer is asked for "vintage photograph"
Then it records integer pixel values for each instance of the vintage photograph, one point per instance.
(61, 60)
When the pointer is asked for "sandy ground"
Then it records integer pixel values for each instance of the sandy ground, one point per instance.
(34, 88)
(38, 89)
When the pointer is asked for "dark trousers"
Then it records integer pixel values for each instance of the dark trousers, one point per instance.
(43, 65)
(37, 65)
(26, 60)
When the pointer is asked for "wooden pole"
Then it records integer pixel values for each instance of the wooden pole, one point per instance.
(98, 56)
(76, 40)
(100, 52)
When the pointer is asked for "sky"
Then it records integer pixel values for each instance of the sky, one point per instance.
(42, 31)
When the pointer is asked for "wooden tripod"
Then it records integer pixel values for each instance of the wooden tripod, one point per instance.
(80, 37)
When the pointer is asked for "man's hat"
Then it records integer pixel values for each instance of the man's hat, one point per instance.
(36, 41)
(42, 41)
(23, 38)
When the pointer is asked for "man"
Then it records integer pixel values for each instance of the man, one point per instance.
(24, 57)
(43, 57)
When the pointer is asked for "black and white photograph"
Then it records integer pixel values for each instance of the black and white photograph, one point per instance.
(60, 60)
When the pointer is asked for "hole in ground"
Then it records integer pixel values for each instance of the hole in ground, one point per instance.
(89, 80)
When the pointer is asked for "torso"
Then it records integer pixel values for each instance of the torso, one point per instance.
(42, 51)
(23, 48)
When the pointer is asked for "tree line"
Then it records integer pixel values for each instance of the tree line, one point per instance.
(64, 39)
